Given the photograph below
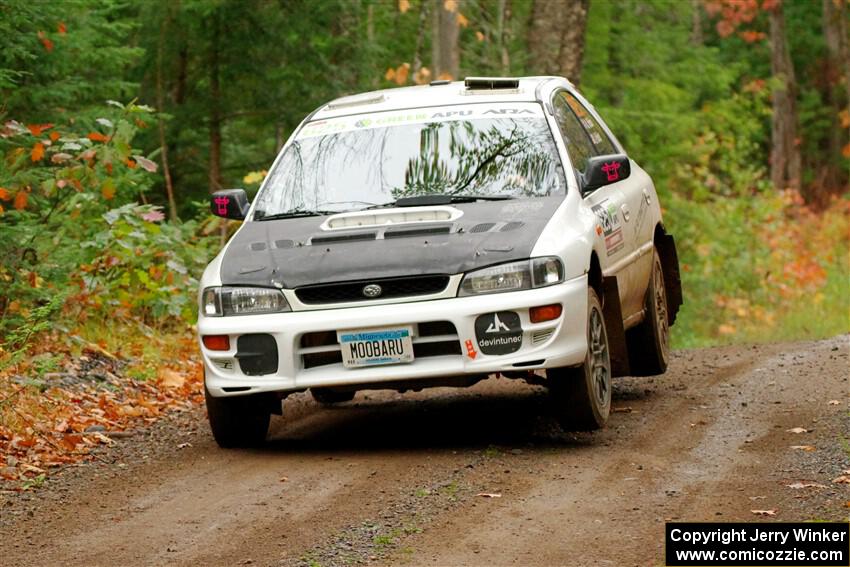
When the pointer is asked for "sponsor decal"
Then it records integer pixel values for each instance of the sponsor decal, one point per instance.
(498, 333)
(606, 212)
(221, 204)
(470, 349)
(612, 170)
(437, 114)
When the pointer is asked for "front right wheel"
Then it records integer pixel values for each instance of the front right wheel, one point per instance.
(581, 396)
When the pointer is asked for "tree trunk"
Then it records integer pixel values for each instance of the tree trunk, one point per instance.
(573, 23)
(504, 29)
(696, 23)
(448, 62)
(541, 36)
(160, 107)
(837, 92)
(556, 37)
(785, 153)
(435, 37)
(420, 40)
(215, 105)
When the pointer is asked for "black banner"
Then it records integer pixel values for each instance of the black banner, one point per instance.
(759, 544)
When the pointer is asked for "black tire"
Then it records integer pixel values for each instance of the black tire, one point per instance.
(327, 397)
(239, 421)
(582, 395)
(649, 342)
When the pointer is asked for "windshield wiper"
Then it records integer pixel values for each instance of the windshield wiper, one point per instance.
(440, 199)
(260, 216)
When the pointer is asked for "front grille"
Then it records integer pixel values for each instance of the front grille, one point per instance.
(433, 338)
(353, 291)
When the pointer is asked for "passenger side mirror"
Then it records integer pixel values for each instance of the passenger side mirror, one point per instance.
(230, 204)
(604, 170)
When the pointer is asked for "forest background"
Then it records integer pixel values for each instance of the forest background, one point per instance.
(118, 117)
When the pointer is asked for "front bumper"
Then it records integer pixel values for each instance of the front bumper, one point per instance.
(551, 344)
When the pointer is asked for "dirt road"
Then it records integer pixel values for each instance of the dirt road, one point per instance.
(398, 479)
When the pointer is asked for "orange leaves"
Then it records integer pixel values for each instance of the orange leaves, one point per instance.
(4, 194)
(403, 6)
(37, 152)
(844, 118)
(462, 20)
(97, 137)
(107, 189)
(45, 41)
(399, 74)
(54, 136)
(845, 151)
(21, 198)
(37, 129)
(61, 28)
(733, 14)
(752, 36)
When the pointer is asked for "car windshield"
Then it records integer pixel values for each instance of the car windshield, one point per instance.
(368, 160)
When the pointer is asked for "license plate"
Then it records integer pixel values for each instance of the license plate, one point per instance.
(371, 347)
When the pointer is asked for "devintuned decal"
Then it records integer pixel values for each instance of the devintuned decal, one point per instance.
(606, 212)
(499, 333)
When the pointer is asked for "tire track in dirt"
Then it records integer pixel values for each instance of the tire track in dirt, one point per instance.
(393, 479)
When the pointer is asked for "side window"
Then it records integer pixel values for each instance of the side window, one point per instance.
(575, 138)
(602, 144)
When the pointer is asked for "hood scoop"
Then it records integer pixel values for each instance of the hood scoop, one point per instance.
(384, 217)
(350, 237)
(410, 232)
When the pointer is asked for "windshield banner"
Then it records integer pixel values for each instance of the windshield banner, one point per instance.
(419, 116)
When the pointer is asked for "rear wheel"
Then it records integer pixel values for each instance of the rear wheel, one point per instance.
(582, 395)
(239, 421)
(649, 342)
(326, 397)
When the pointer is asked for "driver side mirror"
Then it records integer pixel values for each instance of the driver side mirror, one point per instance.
(230, 204)
(604, 170)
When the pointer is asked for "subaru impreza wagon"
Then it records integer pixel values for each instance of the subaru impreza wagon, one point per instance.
(434, 236)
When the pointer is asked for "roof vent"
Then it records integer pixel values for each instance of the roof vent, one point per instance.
(356, 100)
(490, 83)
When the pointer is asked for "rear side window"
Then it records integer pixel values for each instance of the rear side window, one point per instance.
(602, 144)
(578, 143)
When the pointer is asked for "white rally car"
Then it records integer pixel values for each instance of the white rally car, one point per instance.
(433, 236)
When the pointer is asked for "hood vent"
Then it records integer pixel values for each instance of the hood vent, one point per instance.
(343, 238)
(483, 227)
(410, 232)
(513, 225)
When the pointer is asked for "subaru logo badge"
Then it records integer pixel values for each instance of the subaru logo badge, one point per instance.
(372, 291)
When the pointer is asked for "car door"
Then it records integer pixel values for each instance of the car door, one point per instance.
(632, 274)
(607, 201)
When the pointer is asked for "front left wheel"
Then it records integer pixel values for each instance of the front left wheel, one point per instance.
(238, 421)
(582, 395)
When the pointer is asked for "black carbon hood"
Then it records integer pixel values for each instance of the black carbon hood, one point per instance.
(296, 252)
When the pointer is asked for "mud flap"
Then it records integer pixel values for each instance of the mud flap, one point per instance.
(614, 326)
(666, 247)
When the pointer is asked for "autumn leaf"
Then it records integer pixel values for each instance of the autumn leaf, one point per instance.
(401, 73)
(37, 152)
(764, 512)
(450, 5)
(390, 74)
(845, 151)
(108, 189)
(60, 157)
(844, 117)
(480, 36)
(145, 163)
(462, 20)
(130, 163)
(97, 137)
(45, 41)
(61, 28)
(403, 6)
(37, 129)
(54, 136)
(21, 200)
(422, 76)
(797, 430)
(4, 194)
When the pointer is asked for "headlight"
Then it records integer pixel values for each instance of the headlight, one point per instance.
(514, 276)
(218, 301)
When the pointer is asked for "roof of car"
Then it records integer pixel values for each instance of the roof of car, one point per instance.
(438, 93)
